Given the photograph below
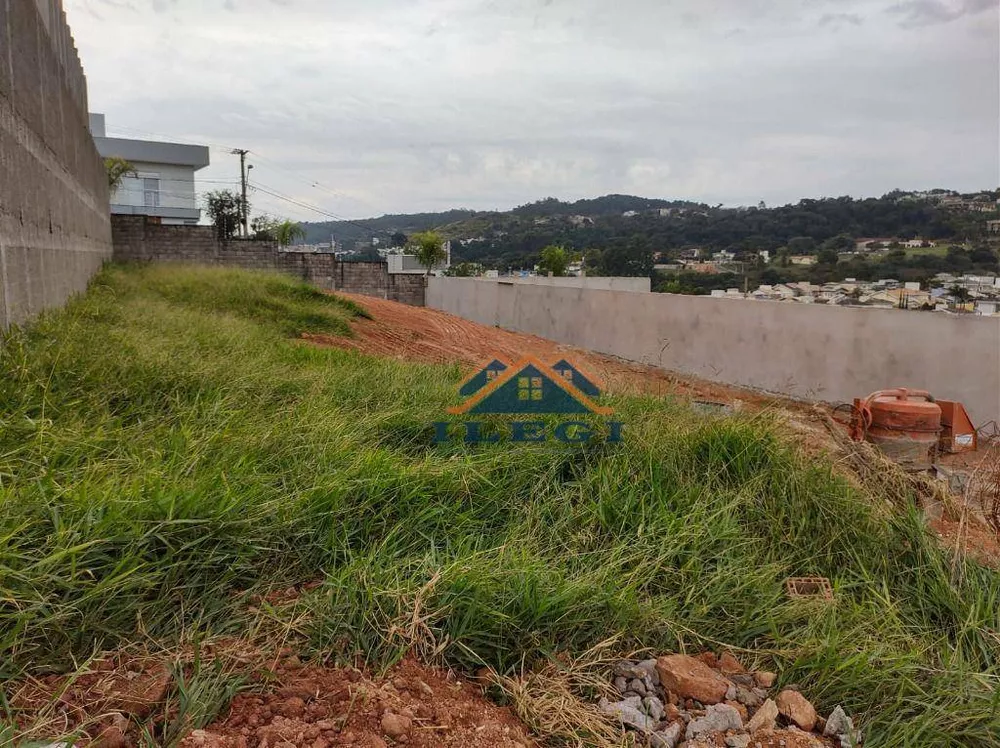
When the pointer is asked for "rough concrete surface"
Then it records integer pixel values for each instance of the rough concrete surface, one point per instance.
(54, 224)
(831, 354)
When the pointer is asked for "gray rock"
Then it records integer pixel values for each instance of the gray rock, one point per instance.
(654, 708)
(649, 667)
(731, 693)
(628, 670)
(850, 741)
(718, 718)
(748, 698)
(629, 711)
(743, 679)
(761, 693)
(738, 741)
(838, 724)
(667, 738)
(637, 686)
(621, 684)
(624, 668)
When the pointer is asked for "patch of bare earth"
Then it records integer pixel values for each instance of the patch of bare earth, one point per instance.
(289, 705)
(317, 707)
(412, 333)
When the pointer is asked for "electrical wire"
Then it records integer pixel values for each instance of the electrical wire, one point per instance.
(307, 206)
(313, 183)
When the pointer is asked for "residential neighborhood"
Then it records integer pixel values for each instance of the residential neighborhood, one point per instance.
(966, 294)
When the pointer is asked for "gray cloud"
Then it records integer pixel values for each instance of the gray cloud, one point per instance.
(913, 13)
(841, 19)
(506, 102)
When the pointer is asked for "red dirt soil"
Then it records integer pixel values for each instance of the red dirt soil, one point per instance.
(289, 705)
(316, 707)
(430, 336)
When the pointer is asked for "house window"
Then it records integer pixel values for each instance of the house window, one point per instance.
(151, 192)
(529, 388)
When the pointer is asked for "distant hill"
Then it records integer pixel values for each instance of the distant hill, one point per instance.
(458, 220)
(637, 224)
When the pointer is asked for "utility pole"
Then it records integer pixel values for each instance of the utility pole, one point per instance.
(243, 182)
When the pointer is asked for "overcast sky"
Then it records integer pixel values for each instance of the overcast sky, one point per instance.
(363, 107)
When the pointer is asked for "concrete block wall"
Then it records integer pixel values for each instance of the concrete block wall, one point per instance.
(805, 351)
(407, 288)
(54, 225)
(137, 239)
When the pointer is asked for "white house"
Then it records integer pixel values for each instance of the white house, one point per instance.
(163, 184)
(400, 263)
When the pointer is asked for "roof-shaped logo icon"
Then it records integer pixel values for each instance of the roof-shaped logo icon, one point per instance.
(572, 374)
(482, 377)
(529, 386)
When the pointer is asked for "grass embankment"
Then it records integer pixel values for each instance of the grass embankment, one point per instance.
(167, 449)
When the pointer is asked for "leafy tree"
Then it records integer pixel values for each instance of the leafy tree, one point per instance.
(801, 245)
(839, 243)
(225, 208)
(554, 260)
(428, 246)
(464, 270)
(286, 232)
(264, 228)
(828, 257)
(117, 169)
(958, 259)
(960, 293)
(398, 239)
(984, 256)
(631, 260)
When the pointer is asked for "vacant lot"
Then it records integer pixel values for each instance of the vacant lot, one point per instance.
(181, 473)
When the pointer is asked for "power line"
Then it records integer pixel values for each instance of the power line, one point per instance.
(167, 138)
(313, 183)
(295, 175)
(307, 206)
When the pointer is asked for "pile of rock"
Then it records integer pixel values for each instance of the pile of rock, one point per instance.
(706, 701)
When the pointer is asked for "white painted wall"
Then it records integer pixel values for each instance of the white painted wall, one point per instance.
(176, 186)
(638, 285)
(810, 352)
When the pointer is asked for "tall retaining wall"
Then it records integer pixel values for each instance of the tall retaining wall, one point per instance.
(809, 352)
(54, 227)
(598, 282)
(138, 240)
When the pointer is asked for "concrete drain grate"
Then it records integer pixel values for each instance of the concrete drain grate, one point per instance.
(809, 588)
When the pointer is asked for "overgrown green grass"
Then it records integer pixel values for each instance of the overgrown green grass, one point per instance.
(167, 448)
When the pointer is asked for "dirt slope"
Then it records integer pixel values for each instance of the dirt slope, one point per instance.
(428, 335)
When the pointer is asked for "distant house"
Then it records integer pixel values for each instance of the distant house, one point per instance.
(987, 307)
(803, 259)
(408, 264)
(993, 227)
(163, 184)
